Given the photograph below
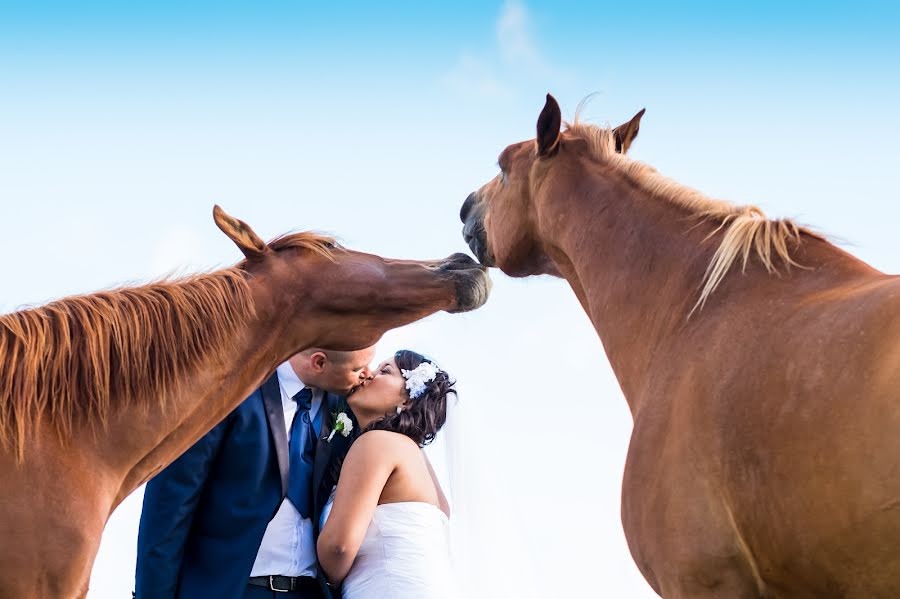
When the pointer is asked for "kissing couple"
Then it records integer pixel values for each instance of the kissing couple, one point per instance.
(315, 487)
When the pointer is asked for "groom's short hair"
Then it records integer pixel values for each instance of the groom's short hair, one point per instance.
(335, 357)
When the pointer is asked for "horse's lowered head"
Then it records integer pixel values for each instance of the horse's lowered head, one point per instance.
(345, 300)
(503, 220)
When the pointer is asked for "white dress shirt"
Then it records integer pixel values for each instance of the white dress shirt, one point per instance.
(288, 546)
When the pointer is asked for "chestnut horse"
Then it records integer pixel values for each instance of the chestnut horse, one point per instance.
(99, 392)
(765, 455)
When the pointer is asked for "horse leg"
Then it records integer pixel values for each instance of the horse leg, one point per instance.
(54, 559)
(728, 583)
(705, 561)
(684, 541)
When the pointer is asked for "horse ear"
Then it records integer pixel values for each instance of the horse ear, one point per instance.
(240, 233)
(626, 133)
(548, 128)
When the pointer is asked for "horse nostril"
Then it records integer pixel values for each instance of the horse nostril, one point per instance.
(467, 207)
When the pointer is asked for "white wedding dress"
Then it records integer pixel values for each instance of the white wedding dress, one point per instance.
(404, 555)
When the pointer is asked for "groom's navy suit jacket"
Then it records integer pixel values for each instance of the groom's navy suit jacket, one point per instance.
(204, 516)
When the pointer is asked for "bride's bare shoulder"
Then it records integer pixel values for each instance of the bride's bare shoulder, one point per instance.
(381, 443)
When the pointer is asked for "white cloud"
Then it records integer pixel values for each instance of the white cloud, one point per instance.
(472, 75)
(513, 58)
(514, 36)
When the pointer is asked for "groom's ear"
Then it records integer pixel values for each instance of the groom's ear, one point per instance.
(317, 361)
(241, 234)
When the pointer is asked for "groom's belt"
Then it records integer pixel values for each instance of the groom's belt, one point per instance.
(284, 584)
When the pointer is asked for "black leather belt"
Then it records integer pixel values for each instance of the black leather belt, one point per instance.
(284, 584)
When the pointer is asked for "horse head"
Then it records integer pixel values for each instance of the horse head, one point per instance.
(337, 298)
(502, 220)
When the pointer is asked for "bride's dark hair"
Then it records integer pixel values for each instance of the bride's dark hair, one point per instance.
(423, 416)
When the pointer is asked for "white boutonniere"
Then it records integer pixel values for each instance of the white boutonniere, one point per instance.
(342, 424)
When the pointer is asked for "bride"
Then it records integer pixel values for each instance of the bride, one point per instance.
(386, 534)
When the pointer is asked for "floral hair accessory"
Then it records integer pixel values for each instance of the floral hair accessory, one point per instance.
(342, 424)
(419, 377)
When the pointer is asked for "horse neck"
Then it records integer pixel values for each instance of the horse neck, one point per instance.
(143, 440)
(635, 261)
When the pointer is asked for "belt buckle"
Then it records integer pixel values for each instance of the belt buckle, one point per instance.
(272, 586)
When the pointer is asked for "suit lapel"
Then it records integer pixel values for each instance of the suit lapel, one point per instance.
(323, 447)
(324, 452)
(271, 394)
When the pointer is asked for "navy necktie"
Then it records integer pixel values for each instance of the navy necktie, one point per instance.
(302, 449)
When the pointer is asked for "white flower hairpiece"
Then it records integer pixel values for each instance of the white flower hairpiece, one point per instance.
(419, 377)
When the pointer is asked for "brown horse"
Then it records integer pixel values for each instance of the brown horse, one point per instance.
(765, 454)
(99, 392)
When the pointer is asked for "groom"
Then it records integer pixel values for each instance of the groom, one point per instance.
(237, 515)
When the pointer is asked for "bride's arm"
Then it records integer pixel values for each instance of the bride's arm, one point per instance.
(369, 464)
(442, 499)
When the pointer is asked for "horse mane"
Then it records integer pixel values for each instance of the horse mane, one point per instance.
(80, 358)
(322, 245)
(67, 360)
(745, 230)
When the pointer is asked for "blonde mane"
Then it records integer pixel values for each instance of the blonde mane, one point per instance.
(745, 230)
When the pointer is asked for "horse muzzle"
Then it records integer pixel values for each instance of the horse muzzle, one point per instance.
(473, 285)
(472, 216)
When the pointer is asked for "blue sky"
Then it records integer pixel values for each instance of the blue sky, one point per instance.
(122, 124)
(413, 39)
